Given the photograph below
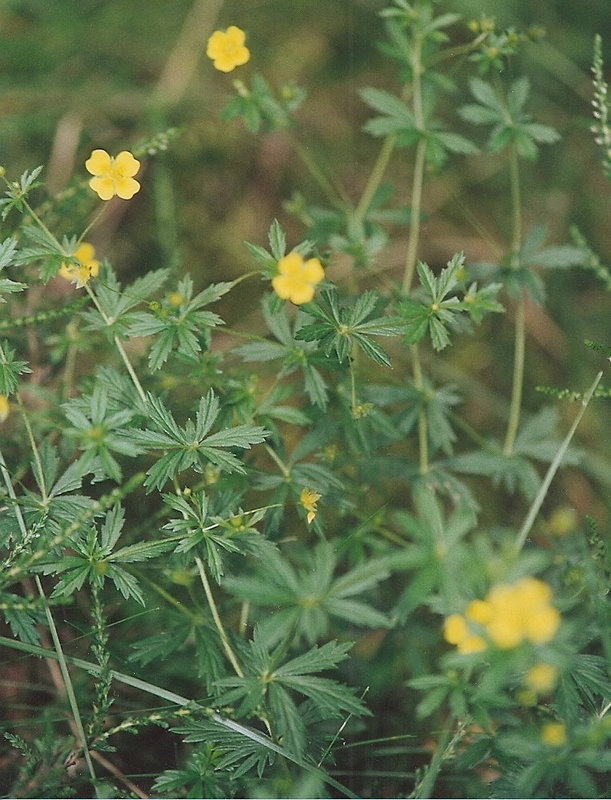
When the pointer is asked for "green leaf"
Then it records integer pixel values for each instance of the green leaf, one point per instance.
(397, 115)
(7, 257)
(141, 551)
(10, 369)
(125, 583)
(277, 240)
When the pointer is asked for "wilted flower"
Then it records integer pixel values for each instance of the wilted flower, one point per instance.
(227, 49)
(308, 499)
(82, 267)
(297, 278)
(113, 175)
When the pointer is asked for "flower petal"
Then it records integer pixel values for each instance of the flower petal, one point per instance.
(98, 163)
(126, 188)
(235, 36)
(313, 271)
(103, 187)
(126, 164)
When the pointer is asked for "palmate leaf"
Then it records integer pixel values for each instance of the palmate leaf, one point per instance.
(304, 600)
(181, 327)
(240, 753)
(338, 328)
(115, 303)
(8, 250)
(10, 368)
(22, 615)
(510, 123)
(269, 683)
(190, 447)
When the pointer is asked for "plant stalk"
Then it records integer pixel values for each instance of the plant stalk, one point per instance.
(553, 468)
(513, 421)
(217, 620)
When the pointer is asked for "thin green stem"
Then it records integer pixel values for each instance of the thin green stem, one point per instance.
(118, 344)
(168, 597)
(352, 369)
(423, 439)
(335, 195)
(215, 616)
(40, 477)
(286, 472)
(375, 178)
(93, 222)
(516, 205)
(419, 160)
(415, 214)
(513, 421)
(445, 745)
(553, 468)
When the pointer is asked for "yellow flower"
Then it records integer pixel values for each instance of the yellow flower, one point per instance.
(227, 49)
(4, 407)
(308, 499)
(87, 267)
(455, 628)
(508, 615)
(541, 677)
(479, 611)
(471, 644)
(113, 175)
(562, 520)
(297, 278)
(456, 631)
(175, 299)
(521, 611)
(553, 734)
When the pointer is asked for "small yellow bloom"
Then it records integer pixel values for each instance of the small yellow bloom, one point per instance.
(541, 626)
(472, 643)
(541, 677)
(562, 520)
(296, 280)
(553, 734)
(4, 407)
(479, 611)
(308, 499)
(456, 631)
(521, 611)
(510, 614)
(455, 628)
(113, 175)
(227, 49)
(175, 299)
(85, 268)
